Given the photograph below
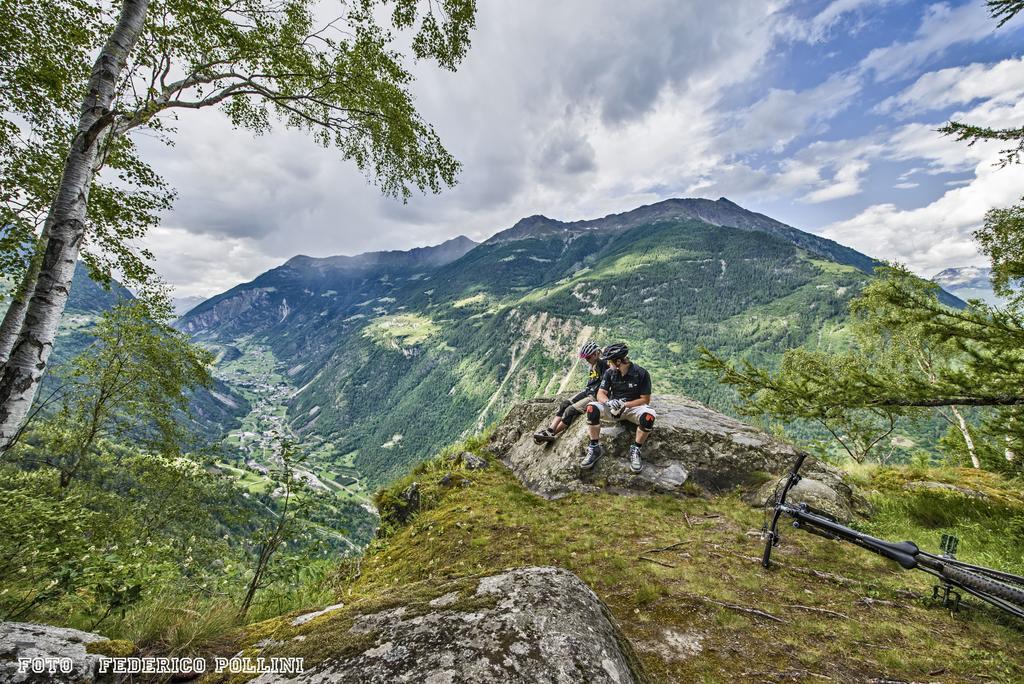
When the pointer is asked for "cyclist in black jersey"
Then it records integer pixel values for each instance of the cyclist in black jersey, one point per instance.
(570, 409)
(624, 394)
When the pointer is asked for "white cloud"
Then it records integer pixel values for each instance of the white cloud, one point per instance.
(782, 115)
(819, 172)
(845, 183)
(822, 25)
(1000, 82)
(937, 235)
(941, 27)
(944, 154)
(203, 265)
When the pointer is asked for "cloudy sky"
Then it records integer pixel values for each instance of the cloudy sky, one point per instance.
(819, 114)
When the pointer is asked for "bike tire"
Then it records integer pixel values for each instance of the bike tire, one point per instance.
(983, 584)
(766, 555)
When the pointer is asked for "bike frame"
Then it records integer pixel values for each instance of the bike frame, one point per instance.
(907, 553)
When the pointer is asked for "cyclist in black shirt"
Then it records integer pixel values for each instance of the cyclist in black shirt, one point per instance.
(624, 394)
(571, 409)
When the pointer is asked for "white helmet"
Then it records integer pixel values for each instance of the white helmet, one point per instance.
(588, 349)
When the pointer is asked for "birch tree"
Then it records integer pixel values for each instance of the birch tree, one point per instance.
(342, 80)
(45, 52)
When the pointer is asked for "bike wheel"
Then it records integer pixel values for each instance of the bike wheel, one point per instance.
(984, 587)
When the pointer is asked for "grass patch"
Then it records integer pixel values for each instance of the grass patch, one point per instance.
(686, 570)
(478, 299)
(401, 331)
(701, 586)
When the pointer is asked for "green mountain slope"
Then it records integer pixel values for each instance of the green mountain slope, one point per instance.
(392, 355)
(503, 322)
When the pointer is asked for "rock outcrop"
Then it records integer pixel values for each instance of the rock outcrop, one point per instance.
(692, 450)
(60, 653)
(821, 487)
(535, 624)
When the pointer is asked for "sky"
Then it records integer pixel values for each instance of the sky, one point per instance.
(822, 115)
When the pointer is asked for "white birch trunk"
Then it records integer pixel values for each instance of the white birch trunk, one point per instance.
(10, 328)
(14, 318)
(24, 369)
(965, 431)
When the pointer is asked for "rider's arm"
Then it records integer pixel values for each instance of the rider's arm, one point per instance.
(579, 395)
(602, 389)
(642, 401)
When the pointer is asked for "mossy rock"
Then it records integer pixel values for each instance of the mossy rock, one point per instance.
(525, 624)
(112, 648)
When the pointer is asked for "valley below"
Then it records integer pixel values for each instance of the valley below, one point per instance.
(251, 450)
(374, 363)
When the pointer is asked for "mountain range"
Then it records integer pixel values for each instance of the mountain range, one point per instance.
(968, 282)
(392, 355)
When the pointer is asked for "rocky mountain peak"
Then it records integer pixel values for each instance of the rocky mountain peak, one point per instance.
(969, 282)
(433, 255)
(964, 276)
(720, 212)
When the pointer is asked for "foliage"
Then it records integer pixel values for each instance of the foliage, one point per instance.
(465, 533)
(287, 522)
(805, 387)
(914, 351)
(341, 80)
(118, 519)
(46, 50)
(1001, 238)
(90, 550)
(911, 353)
(131, 381)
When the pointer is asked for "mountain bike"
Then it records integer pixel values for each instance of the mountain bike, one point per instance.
(1001, 589)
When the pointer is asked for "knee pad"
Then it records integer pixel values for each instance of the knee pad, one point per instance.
(646, 422)
(561, 408)
(593, 414)
(571, 413)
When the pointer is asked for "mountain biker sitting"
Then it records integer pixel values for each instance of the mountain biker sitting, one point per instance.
(624, 394)
(571, 409)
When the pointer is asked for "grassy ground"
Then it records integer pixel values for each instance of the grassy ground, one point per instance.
(254, 483)
(401, 330)
(683, 580)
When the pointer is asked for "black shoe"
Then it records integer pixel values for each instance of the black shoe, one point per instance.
(544, 436)
(593, 454)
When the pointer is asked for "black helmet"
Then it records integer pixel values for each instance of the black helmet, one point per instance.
(619, 350)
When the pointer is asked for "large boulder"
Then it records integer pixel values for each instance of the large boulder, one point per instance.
(59, 652)
(822, 488)
(536, 624)
(692, 450)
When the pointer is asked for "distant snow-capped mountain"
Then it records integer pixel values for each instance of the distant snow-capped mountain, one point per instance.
(182, 305)
(968, 282)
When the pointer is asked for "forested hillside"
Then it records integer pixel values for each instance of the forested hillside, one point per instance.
(393, 355)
